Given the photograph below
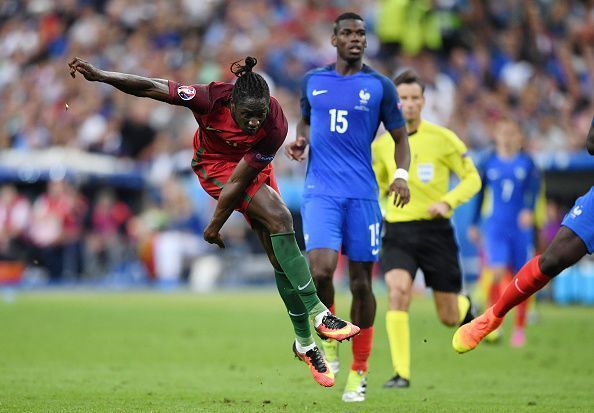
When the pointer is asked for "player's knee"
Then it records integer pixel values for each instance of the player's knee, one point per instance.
(360, 288)
(398, 295)
(322, 274)
(280, 220)
(551, 264)
(449, 318)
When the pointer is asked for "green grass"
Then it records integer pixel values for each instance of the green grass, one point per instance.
(149, 352)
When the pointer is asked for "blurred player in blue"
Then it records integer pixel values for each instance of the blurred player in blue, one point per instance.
(574, 239)
(342, 105)
(506, 203)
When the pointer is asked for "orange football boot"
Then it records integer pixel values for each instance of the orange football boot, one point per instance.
(317, 365)
(334, 328)
(468, 336)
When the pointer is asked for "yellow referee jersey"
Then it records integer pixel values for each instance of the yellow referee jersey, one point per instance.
(435, 152)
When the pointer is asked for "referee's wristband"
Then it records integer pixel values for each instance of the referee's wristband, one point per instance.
(401, 174)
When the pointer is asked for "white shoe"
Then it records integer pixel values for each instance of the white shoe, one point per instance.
(356, 387)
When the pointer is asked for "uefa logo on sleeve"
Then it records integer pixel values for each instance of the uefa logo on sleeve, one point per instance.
(186, 92)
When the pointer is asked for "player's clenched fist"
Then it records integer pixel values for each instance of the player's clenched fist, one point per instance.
(213, 236)
(296, 149)
(89, 71)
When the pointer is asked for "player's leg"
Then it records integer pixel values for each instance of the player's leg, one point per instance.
(453, 308)
(362, 244)
(399, 283)
(267, 207)
(295, 308)
(322, 229)
(363, 309)
(498, 254)
(446, 304)
(304, 346)
(399, 263)
(566, 249)
(522, 250)
(574, 239)
(323, 219)
(323, 263)
(438, 258)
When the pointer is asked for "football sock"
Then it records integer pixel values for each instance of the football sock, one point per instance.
(528, 281)
(521, 315)
(302, 348)
(399, 339)
(296, 309)
(463, 307)
(295, 267)
(362, 349)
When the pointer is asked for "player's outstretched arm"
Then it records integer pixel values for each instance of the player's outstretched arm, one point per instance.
(157, 89)
(399, 187)
(239, 180)
(590, 139)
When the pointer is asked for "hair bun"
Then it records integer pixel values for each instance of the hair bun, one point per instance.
(250, 62)
(239, 70)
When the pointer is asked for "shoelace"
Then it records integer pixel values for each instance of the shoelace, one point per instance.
(333, 322)
(317, 360)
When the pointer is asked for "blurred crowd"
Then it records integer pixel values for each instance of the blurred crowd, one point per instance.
(480, 59)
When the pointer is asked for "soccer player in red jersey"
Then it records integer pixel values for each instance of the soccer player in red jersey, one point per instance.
(240, 130)
(574, 239)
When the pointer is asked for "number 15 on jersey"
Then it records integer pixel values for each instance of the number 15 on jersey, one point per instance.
(338, 120)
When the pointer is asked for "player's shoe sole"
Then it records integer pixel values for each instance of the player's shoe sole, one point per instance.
(334, 328)
(317, 366)
(468, 336)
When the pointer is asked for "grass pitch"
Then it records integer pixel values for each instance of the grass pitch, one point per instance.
(231, 352)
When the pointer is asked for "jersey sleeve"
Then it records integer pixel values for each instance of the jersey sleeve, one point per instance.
(194, 97)
(462, 165)
(304, 102)
(276, 127)
(391, 115)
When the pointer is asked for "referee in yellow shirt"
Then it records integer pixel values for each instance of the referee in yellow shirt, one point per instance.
(420, 234)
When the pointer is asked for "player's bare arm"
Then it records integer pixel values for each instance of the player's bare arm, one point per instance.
(399, 187)
(157, 89)
(239, 180)
(590, 139)
(296, 149)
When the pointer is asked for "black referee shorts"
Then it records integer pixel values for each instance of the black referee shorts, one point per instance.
(429, 245)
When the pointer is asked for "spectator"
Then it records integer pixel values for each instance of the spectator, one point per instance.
(15, 211)
(179, 241)
(106, 243)
(56, 229)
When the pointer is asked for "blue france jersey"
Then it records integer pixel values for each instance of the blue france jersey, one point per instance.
(509, 185)
(344, 113)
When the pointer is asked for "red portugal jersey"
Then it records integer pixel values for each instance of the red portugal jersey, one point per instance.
(219, 137)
